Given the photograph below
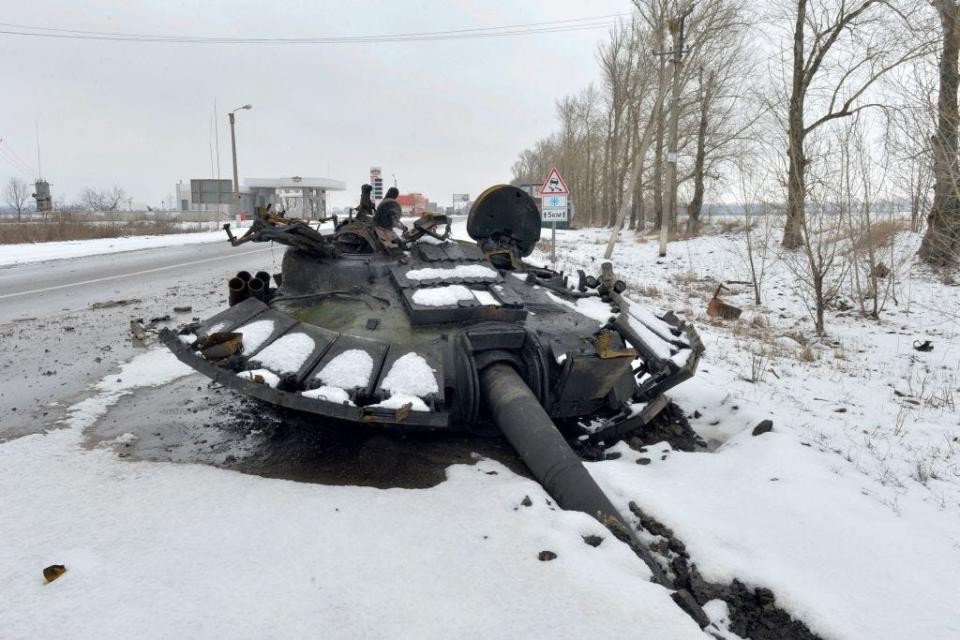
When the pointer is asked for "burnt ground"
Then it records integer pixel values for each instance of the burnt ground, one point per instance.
(194, 421)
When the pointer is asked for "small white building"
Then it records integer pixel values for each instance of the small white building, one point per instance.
(298, 196)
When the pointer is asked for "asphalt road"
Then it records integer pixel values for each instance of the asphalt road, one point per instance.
(57, 337)
(43, 288)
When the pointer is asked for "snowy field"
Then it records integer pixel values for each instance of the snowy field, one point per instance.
(11, 254)
(849, 509)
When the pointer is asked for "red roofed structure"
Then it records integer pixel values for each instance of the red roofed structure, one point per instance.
(412, 203)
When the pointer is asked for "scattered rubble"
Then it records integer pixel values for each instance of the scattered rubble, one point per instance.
(671, 426)
(717, 308)
(53, 572)
(753, 612)
(110, 304)
(924, 345)
(592, 540)
(763, 427)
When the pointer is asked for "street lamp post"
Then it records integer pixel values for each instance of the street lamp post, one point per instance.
(233, 145)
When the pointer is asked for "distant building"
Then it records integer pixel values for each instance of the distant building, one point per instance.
(205, 194)
(412, 204)
(376, 181)
(461, 201)
(300, 197)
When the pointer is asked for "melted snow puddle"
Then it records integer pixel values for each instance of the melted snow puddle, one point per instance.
(153, 409)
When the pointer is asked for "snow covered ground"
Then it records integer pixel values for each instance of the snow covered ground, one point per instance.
(172, 551)
(42, 251)
(849, 509)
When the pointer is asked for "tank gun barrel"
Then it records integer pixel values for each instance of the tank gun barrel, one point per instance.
(531, 432)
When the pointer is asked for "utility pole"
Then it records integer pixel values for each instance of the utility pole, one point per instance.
(233, 145)
(216, 137)
(669, 213)
(36, 124)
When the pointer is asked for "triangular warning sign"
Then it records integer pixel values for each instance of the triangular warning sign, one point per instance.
(554, 185)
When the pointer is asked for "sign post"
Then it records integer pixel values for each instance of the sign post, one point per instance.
(553, 198)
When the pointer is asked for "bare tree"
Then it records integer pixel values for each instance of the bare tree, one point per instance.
(616, 131)
(942, 240)
(16, 194)
(758, 223)
(840, 49)
(102, 200)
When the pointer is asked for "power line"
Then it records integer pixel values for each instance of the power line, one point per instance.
(15, 161)
(556, 26)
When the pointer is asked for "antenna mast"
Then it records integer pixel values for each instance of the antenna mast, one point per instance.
(36, 125)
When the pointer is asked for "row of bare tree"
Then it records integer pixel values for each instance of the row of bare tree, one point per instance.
(607, 132)
(773, 85)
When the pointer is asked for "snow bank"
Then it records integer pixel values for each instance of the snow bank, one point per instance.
(447, 296)
(42, 251)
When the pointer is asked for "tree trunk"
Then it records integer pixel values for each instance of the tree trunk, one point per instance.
(819, 301)
(604, 178)
(658, 170)
(915, 195)
(616, 185)
(638, 200)
(589, 178)
(696, 203)
(942, 240)
(796, 182)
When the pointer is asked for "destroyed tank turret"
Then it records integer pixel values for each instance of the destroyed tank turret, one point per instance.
(418, 331)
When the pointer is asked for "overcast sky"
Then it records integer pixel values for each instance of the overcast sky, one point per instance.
(447, 116)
